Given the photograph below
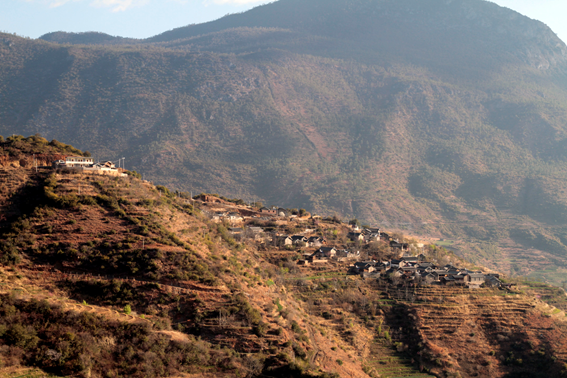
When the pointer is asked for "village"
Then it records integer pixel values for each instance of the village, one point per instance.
(314, 242)
(361, 250)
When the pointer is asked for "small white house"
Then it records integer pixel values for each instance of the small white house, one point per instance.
(78, 161)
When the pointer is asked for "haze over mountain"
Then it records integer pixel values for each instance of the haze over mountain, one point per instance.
(438, 115)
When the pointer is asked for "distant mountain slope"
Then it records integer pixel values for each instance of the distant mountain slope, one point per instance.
(439, 116)
(422, 32)
(88, 38)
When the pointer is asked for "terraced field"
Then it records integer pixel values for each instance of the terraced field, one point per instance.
(392, 364)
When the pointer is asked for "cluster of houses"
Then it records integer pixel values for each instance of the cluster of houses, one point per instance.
(404, 271)
(238, 216)
(87, 165)
(323, 254)
(415, 271)
(368, 235)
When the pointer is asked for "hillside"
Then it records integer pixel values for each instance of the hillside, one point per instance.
(107, 276)
(434, 117)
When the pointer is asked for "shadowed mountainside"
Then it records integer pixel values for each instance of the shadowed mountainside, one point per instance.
(444, 117)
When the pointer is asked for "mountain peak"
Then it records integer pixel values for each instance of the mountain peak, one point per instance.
(439, 28)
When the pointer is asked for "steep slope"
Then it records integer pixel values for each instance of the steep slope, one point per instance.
(442, 117)
(112, 276)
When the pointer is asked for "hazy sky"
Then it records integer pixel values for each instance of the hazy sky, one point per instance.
(145, 18)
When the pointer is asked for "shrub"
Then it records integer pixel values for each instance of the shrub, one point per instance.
(260, 329)
(134, 174)
(127, 310)
(23, 337)
(298, 350)
(9, 254)
(295, 327)
(278, 305)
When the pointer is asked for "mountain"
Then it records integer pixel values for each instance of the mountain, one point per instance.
(104, 276)
(434, 33)
(444, 118)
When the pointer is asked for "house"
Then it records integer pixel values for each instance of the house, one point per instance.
(355, 236)
(400, 246)
(256, 230)
(384, 236)
(344, 255)
(439, 273)
(474, 280)
(316, 241)
(460, 279)
(347, 255)
(410, 259)
(370, 231)
(298, 239)
(354, 227)
(303, 262)
(78, 161)
(424, 271)
(369, 238)
(267, 211)
(364, 266)
(234, 217)
(255, 233)
(397, 264)
(409, 269)
(327, 252)
(284, 241)
(281, 212)
(218, 216)
(492, 281)
(448, 281)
